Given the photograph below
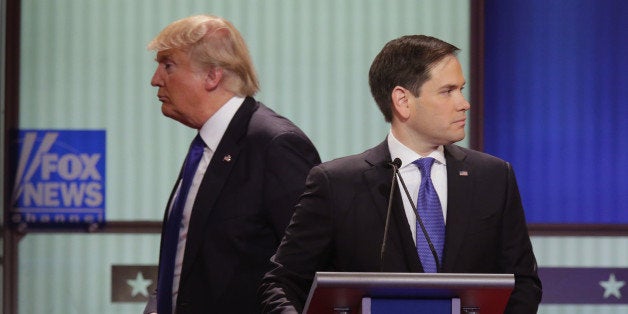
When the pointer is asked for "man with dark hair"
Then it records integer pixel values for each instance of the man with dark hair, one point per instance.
(468, 202)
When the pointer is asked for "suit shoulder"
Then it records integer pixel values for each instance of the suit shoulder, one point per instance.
(265, 126)
(348, 165)
(266, 122)
(473, 156)
(479, 162)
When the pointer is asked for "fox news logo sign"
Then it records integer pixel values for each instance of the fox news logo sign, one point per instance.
(60, 178)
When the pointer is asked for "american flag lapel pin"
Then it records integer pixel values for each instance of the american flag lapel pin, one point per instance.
(227, 158)
(463, 173)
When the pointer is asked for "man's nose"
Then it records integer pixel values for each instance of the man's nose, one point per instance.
(156, 80)
(465, 105)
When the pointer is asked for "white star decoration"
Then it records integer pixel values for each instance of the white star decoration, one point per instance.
(139, 285)
(612, 286)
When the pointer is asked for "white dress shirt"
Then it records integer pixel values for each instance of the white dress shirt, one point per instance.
(412, 177)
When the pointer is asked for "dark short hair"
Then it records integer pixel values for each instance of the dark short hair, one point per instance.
(406, 62)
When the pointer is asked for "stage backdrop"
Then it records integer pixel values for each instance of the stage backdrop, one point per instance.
(557, 104)
(84, 66)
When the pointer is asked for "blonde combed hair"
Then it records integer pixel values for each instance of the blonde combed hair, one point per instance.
(212, 42)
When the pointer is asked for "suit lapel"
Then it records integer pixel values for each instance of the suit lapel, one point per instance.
(378, 179)
(217, 173)
(459, 191)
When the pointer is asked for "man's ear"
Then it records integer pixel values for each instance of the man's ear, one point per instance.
(400, 102)
(213, 77)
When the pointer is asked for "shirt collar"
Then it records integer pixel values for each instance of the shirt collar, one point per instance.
(216, 126)
(407, 155)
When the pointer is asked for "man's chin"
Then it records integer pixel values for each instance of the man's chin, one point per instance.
(170, 115)
(166, 112)
(457, 138)
(174, 116)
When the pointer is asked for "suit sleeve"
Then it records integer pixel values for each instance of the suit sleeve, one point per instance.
(289, 158)
(518, 257)
(304, 249)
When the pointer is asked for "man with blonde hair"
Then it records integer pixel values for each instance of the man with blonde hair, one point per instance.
(240, 181)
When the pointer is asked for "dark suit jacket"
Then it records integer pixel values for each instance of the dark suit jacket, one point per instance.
(243, 206)
(339, 222)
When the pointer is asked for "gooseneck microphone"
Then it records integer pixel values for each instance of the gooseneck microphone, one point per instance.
(416, 213)
(395, 164)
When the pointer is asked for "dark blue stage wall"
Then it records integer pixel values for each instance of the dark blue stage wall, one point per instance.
(556, 105)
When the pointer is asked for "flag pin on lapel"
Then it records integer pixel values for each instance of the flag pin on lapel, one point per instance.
(463, 173)
(227, 158)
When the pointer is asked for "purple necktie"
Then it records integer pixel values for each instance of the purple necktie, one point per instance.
(173, 224)
(428, 206)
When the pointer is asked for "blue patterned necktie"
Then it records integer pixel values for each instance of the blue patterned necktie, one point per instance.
(173, 224)
(428, 206)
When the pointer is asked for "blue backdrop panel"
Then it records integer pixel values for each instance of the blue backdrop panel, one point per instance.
(415, 306)
(556, 105)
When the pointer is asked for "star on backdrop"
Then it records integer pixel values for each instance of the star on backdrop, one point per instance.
(132, 283)
(583, 285)
(612, 287)
(139, 285)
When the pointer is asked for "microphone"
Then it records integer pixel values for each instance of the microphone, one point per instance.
(418, 217)
(395, 164)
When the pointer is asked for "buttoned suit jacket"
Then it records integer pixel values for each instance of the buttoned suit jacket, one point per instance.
(244, 203)
(339, 223)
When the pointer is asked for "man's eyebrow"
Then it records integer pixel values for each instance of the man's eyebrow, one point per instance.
(163, 57)
(453, 86)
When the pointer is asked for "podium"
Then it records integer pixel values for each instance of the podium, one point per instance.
(366, 293)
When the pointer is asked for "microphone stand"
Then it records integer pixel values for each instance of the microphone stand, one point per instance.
(395, 165)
